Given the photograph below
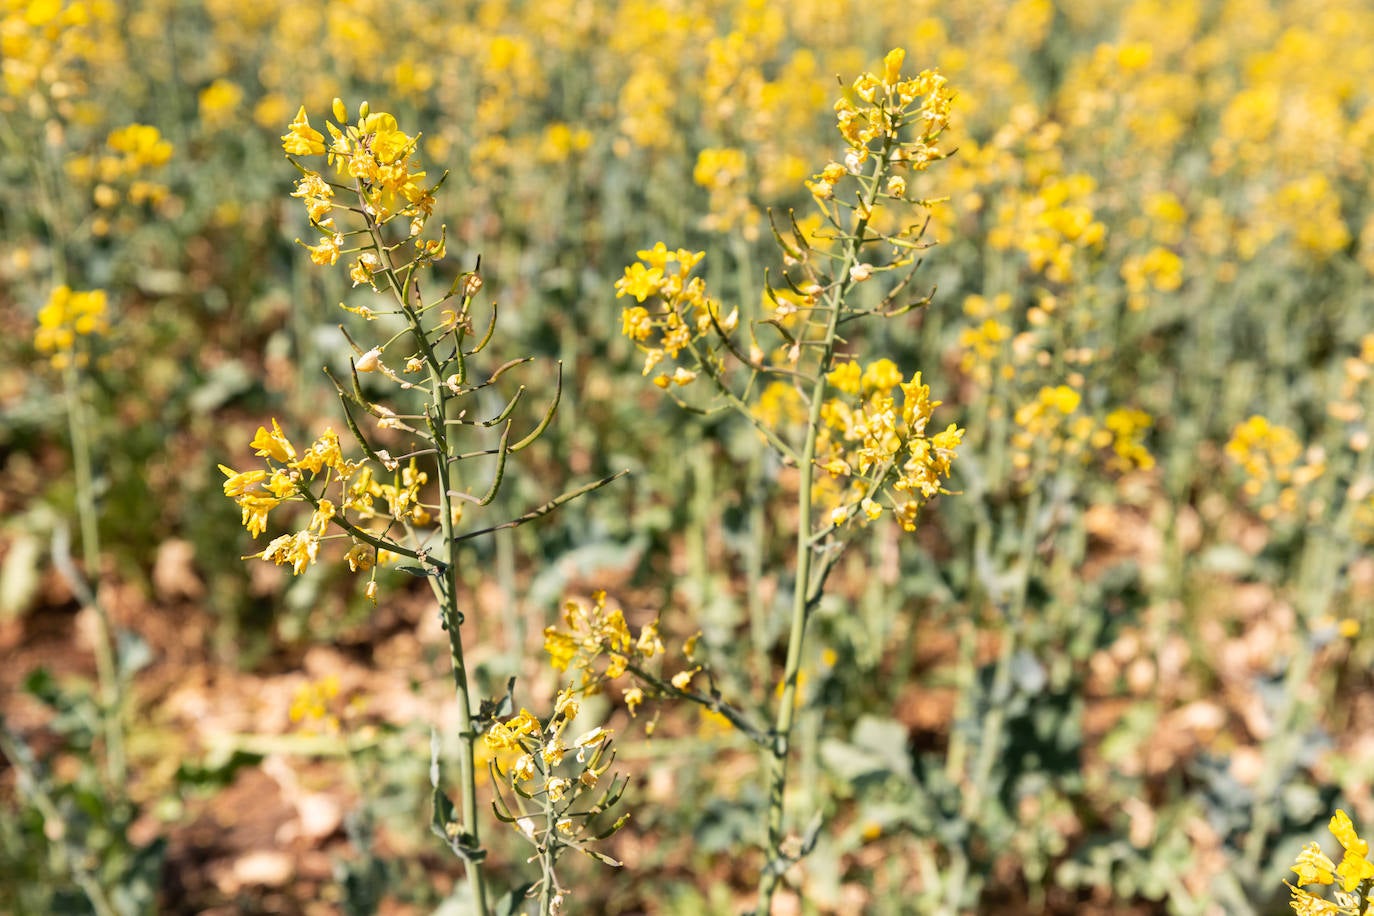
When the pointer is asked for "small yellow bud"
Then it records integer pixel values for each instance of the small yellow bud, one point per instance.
(340, 112)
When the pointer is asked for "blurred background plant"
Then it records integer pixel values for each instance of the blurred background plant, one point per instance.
(1125, 671)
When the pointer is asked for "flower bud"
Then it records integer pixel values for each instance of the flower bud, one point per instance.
(370, 360)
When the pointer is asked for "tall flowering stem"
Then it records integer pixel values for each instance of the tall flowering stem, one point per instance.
(857, 433)
(408, 510)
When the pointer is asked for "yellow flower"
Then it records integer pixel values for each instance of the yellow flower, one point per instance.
(1062, 398)
(327, 251)
(892, 66)
(1313, 866)
(299, 550)
(635, 323)
(562, 648)
(639, 281)
(273, 444)
(881, 375)
(1354, 867)
(240, 483)
(302, 139)
(649, 644)
(847, 377)
(66, 316)
(503, 735)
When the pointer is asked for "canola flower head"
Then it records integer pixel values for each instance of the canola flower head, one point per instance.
(290, 476)
(877, 445)
(597, 642)
(1349, 880)
(674, 311)
(381, 162)
(68, 316)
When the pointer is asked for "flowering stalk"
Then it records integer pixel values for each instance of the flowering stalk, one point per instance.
(858, 453)
(378, 170)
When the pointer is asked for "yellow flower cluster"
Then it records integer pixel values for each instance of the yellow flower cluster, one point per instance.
(1124, 429)
(1051, 226)
(723, 172)
(219, 103)
(681, 313)
(379, 162)
(1048, 423)
(291, 475)
(553, 778)
(313, 703)
(119, 173)
(881, 107)
(597, 643)
(130, 150)
(877, 454)
(44, 43)
(541, 748)
(1159, 270)
(981, 348)
(1273, 460)
(1351, 880)
(67, 316)
(1049, 428)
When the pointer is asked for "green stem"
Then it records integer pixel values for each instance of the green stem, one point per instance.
(446, 584)
(107, 672)
(803, 598)
(448, 593)
(548, 860)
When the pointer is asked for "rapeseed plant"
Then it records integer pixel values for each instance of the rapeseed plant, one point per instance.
(864, 446)
(408, 509)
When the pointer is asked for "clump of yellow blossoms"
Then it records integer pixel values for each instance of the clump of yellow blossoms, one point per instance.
(1049, 427)
(68, 316)
(591, 632)
(876, 447)
(683, 315)
(119, 173)
(558, 787)
(379, 161)
(1352, 881)
(882, 108)
(313, 704)
(348, 495)
(1051, 226)
(1277, 467)
(872, 445)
